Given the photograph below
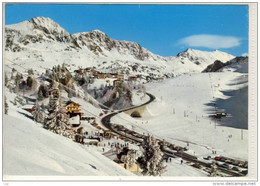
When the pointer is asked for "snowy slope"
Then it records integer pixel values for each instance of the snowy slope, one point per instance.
(31, 150)
(40, 43)
(43, 153)
(180, 114)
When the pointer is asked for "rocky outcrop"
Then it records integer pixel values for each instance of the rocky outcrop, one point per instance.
(214, 67)
(217, 65)
(96, 40)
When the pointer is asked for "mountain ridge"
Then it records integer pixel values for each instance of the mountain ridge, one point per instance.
(42, 39)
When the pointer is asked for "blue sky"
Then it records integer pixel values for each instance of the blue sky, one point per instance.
(163, 29)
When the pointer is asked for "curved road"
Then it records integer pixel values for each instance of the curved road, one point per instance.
(106, 122)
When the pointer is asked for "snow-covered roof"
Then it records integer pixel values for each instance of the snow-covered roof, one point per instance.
(27, 106)
(70, 102)
(75, 120)
(90, 140)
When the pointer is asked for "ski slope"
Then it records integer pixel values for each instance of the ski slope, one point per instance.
(180, 114)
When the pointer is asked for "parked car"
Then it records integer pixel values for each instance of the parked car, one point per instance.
(217, 158)
(207, 158)
(235, 168)
(225, 165)
(244, 172)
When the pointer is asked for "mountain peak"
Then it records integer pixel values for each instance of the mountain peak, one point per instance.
(41, 19)
(45, 22)
(98, 31)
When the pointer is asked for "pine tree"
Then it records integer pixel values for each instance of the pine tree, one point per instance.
(42, 106)
(43, 91)
(6, 106)
(38, 114)
(58, 120)
(213, 170)
(6, 80)
(71, 91)
(151, 162)
(31, 82)
(30, 72)
(15, 101)
(130, 158)
(16, 88)
(40, 95)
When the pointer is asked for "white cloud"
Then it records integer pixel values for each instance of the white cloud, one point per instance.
(210, 41)
(245, 54)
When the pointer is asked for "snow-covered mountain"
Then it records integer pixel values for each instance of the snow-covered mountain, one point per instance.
(41, 43)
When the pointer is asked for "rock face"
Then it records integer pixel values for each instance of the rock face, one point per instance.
(214, 67)
(96, 40)
(218, 65)
(41, 42)
(50, 29)
(41, 29)
(202, 57)
(35, 31)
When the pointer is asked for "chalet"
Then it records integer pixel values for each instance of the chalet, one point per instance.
(80, 133)
(92, 72)
(109, 75)
(160, 79)
(91, 141)
(73, 109)
(132, 78)
(79, 71)
(101, 75)
(134, 168)
(121, 77)
(75, 121)
(29, 108)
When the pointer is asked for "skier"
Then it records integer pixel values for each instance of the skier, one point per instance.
(181, 162)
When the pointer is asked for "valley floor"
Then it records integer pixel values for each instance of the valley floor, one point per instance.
(179, 115)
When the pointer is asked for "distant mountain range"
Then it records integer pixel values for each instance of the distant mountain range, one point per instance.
(40, 43)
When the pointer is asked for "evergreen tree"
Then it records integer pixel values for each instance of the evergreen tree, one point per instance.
(43, 91)
(57, 120)
(38, 114)
(31, 82)
(16, 88)
(151, 162)
(130, 158)
(6, 80)
(6, 106)
(40, 95)
(15, 101)
(30, 72)
(42, 106)
(213, 170)
(71, 91)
